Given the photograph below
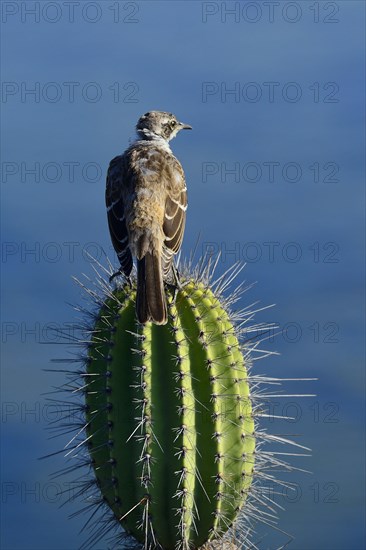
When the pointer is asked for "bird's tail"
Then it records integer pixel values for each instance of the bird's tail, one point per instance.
(151, 300)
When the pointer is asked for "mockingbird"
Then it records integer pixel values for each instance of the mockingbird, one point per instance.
(146, 198)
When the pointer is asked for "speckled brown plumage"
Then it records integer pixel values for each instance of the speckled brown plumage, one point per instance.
(146, 200)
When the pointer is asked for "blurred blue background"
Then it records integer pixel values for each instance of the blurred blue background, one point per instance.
(275, 170)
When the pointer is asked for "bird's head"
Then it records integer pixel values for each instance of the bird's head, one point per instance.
(158, 124)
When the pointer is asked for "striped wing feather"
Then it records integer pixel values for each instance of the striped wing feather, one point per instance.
(174, 220)
(116, 213)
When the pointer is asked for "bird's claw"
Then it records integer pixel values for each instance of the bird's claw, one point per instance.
(118, 273)
(175, 285)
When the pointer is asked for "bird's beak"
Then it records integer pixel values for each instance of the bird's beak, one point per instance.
(185, 126)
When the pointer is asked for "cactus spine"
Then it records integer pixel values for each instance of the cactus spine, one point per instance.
(170, 426)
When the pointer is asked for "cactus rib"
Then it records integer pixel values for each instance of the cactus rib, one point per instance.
(170, 421)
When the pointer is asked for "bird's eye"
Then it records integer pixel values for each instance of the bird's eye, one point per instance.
(173, 123)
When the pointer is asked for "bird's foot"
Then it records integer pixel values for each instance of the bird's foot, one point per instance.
(126, 277)
(116, 274)
(176, 276)
(174, 289)
(175, 285)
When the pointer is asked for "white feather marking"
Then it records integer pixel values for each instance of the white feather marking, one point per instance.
(178, 203)
(112, 205)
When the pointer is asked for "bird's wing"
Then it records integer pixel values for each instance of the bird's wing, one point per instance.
(116, 213)
(175, 215)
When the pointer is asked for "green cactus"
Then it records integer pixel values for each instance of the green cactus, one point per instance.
(170, 425)
(166, 440)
